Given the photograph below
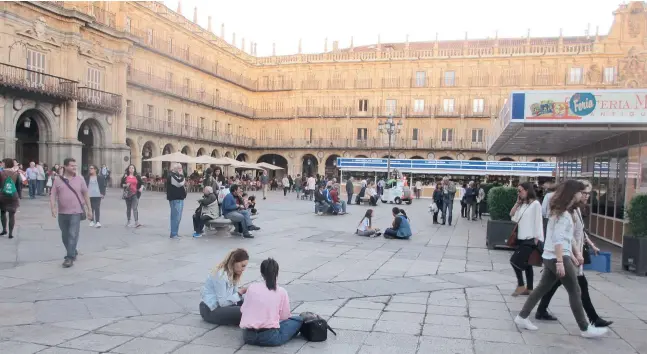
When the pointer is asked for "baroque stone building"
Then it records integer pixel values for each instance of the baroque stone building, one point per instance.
(119, 82)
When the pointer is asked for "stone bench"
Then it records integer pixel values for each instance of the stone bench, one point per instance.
(223, 226)
(364, 199)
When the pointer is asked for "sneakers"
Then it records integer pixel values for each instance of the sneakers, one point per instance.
(597, 323)
(97, 225)
(92, 224)
(138, 225)
(525, 323)
(248, 235)
(68, 263)
(594, 332)
(254, 228)
(197, 235)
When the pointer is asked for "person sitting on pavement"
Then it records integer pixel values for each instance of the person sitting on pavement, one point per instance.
(365, 226)
(266, 319)
(321, 202)
(234, 211)
(337, 203)
(401, 228)
(221, 296)
(208, 209)
(251, 204)
(372, 194)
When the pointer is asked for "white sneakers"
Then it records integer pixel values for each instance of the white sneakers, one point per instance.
(93, 224)
(525, 323)
(594, 332)
(591, 331)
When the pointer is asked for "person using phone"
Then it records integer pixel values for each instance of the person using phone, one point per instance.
(221, 295)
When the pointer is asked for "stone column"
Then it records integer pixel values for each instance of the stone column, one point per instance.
(7, 140)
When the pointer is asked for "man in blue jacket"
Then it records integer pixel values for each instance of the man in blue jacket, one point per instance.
(236, 212)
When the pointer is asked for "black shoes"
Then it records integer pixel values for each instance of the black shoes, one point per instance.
(248, 235)
(68, 263)
(254, 228)
(599, 323)
(545, 316)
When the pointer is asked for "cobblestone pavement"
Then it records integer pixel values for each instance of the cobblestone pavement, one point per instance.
(137, 291)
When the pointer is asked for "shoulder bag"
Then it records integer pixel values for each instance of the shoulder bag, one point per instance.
(512, 239)
(586, 250)
(314, 328)
(67, 183)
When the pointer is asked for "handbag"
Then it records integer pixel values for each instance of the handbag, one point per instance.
(433, 207)
(67, 183)
(314, 328)
(512, 239)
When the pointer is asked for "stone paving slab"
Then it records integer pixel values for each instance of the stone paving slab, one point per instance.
(136, 291)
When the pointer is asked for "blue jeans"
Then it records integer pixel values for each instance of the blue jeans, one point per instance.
(448, 206)
(275, 336)
(33, 186)
(69, 225)
(176, 215)
(40, 186)
(238, 217)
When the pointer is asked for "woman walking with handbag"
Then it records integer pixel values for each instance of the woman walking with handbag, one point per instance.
(527, 214)
(581, 242)
(561, 260)
(133, 184)
(97, 190)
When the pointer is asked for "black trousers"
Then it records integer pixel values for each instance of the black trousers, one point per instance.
(586, 298)
(463, 209)
(225, 316)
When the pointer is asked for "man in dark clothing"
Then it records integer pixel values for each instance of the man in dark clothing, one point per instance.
(175, 194)
(470, 200)
(321, 202)
(350, 188)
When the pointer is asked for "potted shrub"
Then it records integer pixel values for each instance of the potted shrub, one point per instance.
(499, 227)
(486, 188)
(634, 245)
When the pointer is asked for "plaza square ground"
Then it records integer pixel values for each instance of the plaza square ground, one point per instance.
(137, 291)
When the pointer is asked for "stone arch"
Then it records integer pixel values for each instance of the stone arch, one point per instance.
(45, 120)
(201, 151)
(309, 165)
(506, 159)
(538, 160)
(476, 158)
(92, 135)
(361, 157)
(167, 149)
(416, 157)
(387, 156)
(134, 153)
(187, 150)
(331, 169)
(215, 153)
(228, 154)
(95, 127)
(242, 157)
(446, 158)
(277, 160)
(149, 150)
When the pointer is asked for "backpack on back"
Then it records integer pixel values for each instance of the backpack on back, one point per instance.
(9, 187)
(314, 328)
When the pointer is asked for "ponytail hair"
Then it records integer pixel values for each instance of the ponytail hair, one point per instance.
(270, 272)
(397, 211)
(403, 213)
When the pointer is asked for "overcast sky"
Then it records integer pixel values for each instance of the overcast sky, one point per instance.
(287, 21)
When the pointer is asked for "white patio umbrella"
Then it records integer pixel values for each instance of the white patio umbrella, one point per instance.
(206, 159)
(174, 157)
(268, 166)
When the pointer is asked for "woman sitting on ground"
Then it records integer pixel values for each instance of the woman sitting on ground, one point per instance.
(365, 226)
(221, 296)
(266, 319)
(401, 227)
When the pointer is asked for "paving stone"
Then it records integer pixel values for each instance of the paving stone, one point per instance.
(358, 313)
(362, 304)
(55, 310)
(407, 299)
(497, 335)
(447, 311)
(203, 349)
(86, 325)
(398, 327)
(438, 345)
(96, 342)
(193, 320)
(347, 336)
(176, 332)
(154, 304)
(128, 328)
(57, 350)
(109, 307)
(488, 305)
(40, 334)
(11, 347)
(17, 313)
(398, 307)
(356, 324)
(433, 330)
(162, 318)
(402, 317)
(447, 320)
(490, 323)
(291, 347)
(373, 349)
(329, 348)
(223, 336)
(485, 313)
(405, 341)
(147, 346)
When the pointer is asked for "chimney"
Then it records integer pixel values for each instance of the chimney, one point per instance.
(222, 31)
(335, 46)
(209, 24)
(179, 6)
(195, 15)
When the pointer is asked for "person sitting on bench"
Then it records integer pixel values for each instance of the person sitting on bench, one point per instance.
(221, 296)
(208, 209)
(235, 211)
(337, 203)
(401, 228)
(321, 203)
(360, 195)
(372, 194)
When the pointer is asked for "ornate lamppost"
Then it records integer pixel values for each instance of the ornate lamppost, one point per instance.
(390, 128)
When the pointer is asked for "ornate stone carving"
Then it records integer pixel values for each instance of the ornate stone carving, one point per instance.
(431, 156)
(346, 154)
(17, 104)
(94, 50)
(633, 71)
(39, 33)
(401, 155)
(56, 110)
(460, 156)
(373, 154)
(594, 73)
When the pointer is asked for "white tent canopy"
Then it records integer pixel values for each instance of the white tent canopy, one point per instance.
(268, 166)
(174, 157)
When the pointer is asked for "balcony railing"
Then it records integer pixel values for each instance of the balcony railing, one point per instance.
(399, 143)
(97, 99)
(149, 81)
(13, 77)
(101, 15)
(174, 129)
(479, 81)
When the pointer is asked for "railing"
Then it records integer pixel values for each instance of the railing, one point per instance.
(158, 126)
(420, 82)
(371, 143)
(510, 80)
(100, 15)
(97, 99)
(275, 85)
(183, 92)
(544, 80)
(479, 81)
(448, 81)
(36, 82)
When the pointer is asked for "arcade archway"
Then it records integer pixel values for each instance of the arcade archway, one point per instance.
(331, 167)
(417, 157)
(506, 159)
(276, 160)
(242, 157)
(538, 160)
(310, 165)
(446, 158)
(32, 130)
(476, 159)
(166, 166)
(361, 157)
(91, 136)
(148, 151)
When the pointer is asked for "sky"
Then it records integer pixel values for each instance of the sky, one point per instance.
(285, 22)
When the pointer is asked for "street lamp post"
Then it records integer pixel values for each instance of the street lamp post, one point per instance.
(390, 128)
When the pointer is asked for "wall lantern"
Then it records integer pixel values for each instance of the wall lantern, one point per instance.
(86, 130)
(27, 123)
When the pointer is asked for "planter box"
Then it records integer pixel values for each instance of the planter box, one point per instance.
(634, 254)
(498, 232)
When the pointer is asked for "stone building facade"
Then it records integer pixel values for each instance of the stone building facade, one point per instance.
(119, 82)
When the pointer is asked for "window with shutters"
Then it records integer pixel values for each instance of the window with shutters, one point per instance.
(187, 120)
(391, 106)
(447, 135)
(278, 135)
(150, 111)
(169, 80)
(215, 126)
(129, 109)
(202, 121)
(448, 105)
(610, 75)
(187, 86)
(363, 105)
(263, 134)
(421, 78)
(478, 105)
(336, 104)
(170, 45)
(362, 134)
(279, 106)
(449, 78)
(576, 76)
(169, 117)
(127, 24)
(415, 134)
(35, 63)
(477, 135)
(419, 105)
(94, 78)
(228, 128)
(335, 134)
(149, 36)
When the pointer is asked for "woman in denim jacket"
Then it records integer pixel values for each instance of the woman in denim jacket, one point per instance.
(221, 296)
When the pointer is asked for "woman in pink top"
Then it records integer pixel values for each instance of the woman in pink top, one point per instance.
(266, 319)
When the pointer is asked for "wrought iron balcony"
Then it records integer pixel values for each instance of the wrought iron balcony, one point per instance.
(100, 100)
(35, 82)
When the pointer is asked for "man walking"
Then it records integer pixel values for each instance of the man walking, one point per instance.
(41, 179)
(32, 179)
(264, 180)
(70, 196)
(449, 193)
(350, 188)
(175, 194)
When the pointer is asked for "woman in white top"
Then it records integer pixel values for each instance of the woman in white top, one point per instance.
(580, 237)
(221, 296)
(527, 214)
(365, 226)
(286, 185)
(561, 259)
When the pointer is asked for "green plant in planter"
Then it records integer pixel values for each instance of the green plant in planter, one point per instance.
(500, 202)
(486, 188)
(637, 214)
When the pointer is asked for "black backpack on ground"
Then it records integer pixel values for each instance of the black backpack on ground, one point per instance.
(314, 328)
